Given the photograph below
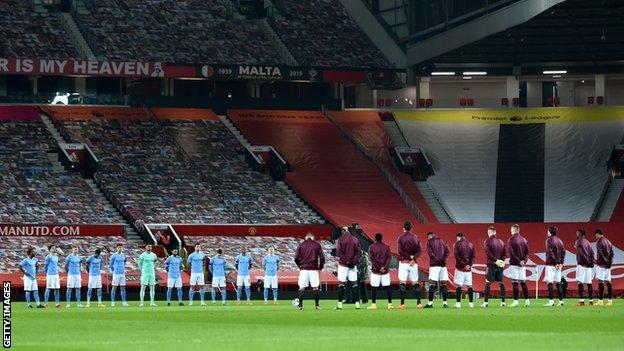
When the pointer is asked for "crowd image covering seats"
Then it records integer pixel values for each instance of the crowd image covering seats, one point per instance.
(179, 31)
(13, 251)
(28, 34)
(258, 248)
(33, 190)
(321, 33)
(181, 172)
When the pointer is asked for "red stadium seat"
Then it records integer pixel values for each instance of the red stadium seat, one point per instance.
(429, 103)
(590, 100)
(516, 101)
(462, 102)
(470, 102)
(599, 100)
(504, 102)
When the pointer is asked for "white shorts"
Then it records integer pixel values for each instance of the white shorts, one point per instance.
(462, 278)
(119, 280)
(95, 282)
(603, 274)
(174, 282)
(243, 280)
(270, 282)
(584, 275)
(406, 271)
(308, 278)
(552, 274)
(53, 282)
(346, 273)
(197, 279)
(376, 279)
(30, 284)
(438, 274)
(74, 281)
(218, 282)
(517, 273)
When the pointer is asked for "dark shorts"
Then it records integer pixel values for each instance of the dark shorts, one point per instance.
(494, 274)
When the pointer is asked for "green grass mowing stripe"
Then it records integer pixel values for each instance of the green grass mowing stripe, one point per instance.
(285, 328)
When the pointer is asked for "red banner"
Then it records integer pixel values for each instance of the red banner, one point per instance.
(321, 231)
(60, 230)
(19, 113)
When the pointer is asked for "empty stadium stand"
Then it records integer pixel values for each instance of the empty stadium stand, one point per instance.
(327, 170)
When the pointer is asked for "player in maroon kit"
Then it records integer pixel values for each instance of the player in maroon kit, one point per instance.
(379, 256)
(604, 260)
(310, 259)
(555, 255)
(518, 256)
(349, 250)
(584, 267)
(438, 275)
(495, 253)
(409, 251)
(464, 258)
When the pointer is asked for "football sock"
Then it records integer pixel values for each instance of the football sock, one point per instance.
(516, 290)
(57, 296)
(239, 292)
(402, 289)
(418, 292)
(191, 294)
(98, 292)
(444, 290)
(525, 290)
(609, 291)
(89, 291)
(432, 290)
(78, 295)
(316, 297)
(560, 291)
(179, 294)
(202, 293)
(458, 292)
(600, 290)
(28, 297)
(581, 292)
(486, 292)
(374, 294)
(169, 295)
(213, 294)
(470, 294)
(223, 294)
(142, 293)
(590, 291)
(247, 293)
(274, 294)
(341, 291)
(113, 293)
(68, 295)
(501, 286)
(123, 294)
(152, 293)
(36, 296)
(300, 296)
(550, 291)
(355, 290)
(46, 295)
(265, 294)
(389, 293)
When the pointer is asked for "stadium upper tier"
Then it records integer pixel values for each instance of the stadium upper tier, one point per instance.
(316, 33)
(181, 172)
(33, 190)
(24, 33)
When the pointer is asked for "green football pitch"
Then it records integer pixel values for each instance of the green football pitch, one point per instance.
(282, 327)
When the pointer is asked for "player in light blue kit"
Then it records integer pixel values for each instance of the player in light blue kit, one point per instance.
(217, 268)
(53, 282)
(271, 265)
(28, 266)
(73, 263)
(174, 276)
(94, 262)
(243, 280)
(117, 265)
(197, 260)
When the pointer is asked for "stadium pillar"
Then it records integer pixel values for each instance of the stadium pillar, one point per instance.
(423, 91)
(599, 85)
(513, 88)
(35, 85)
(3, 86)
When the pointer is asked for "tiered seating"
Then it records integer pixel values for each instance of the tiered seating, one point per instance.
(368, 130)
(145, 170)
(321, 33)
(328, 170)
(181, 31)
(14, 250)
(145, 174)
(212, 147)
(27, 34)
(32, 190)
(258, 248)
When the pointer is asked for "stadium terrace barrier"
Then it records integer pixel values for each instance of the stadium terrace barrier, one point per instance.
(19, 113)
(94, 112)
(184, 113)
(321, 231)
(72, 230)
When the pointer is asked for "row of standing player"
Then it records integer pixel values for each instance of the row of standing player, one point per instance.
(310, 259)
(147, 262)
